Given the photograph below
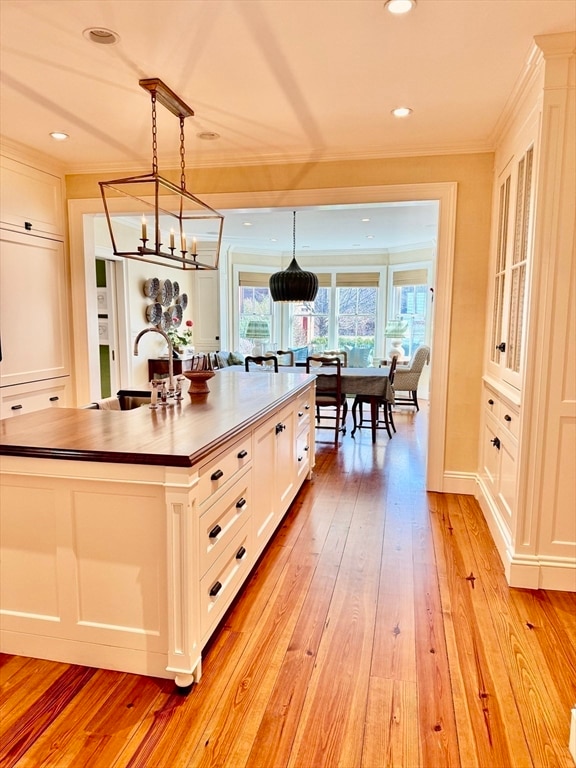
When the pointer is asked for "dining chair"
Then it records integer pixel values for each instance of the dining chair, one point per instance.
(408, 376)
(329, 394)
(260, 363)
(388, 418)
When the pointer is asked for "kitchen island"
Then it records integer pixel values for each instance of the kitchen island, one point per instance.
(125, 535)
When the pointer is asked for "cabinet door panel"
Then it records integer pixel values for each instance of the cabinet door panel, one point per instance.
(30, 199)
(33, 303)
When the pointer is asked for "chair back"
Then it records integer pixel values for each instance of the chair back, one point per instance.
(419, 358)
(328, 385)
(285, 356)
(341, 353)
(262, 361)
(392, 371)
(199, 363)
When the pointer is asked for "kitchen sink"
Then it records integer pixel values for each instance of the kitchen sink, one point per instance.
(132, 398)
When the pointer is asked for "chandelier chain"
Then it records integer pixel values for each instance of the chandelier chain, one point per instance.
(182, 161)
(154, 136)
(293, 234)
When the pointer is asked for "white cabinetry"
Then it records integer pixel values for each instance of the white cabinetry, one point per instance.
(132, 566)
(30, 199)
(34, 280)
(528, 431)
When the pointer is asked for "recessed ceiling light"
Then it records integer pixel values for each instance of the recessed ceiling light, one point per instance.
(398, 7)
(208, 135)
(365, 219)
(59, 135)
(247, 223)
(101, 36)
(370, 237)
(401, 111)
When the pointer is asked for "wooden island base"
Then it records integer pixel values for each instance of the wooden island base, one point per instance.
(129, 563)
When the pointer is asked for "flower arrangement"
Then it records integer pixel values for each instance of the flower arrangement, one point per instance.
(181, 338)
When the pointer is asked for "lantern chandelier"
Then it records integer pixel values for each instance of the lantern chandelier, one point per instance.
(176, 229)
(293, 284)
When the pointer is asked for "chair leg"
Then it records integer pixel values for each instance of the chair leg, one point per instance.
(355, 405)
(387, 420)
(388, 407)
(415, 398)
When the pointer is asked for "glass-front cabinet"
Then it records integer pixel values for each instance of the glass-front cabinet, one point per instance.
(513, 243)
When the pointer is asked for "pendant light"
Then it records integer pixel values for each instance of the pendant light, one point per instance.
(176, 228)
(293, 284)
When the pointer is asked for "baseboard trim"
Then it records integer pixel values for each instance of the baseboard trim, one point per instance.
(86, 654)
(459, 482)
(524, 570)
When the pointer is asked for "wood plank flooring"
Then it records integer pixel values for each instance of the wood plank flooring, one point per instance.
(377, 630)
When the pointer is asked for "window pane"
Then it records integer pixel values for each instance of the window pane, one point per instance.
(356, 323)
(410, 305)
(255, 304)
(310, 323)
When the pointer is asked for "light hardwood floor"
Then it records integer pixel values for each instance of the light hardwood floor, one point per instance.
(377, 630)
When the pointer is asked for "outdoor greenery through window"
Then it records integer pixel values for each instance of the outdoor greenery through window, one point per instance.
(348, 325)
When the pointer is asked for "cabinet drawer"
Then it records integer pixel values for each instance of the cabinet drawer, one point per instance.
(219, 524)
(221, 583)
(304, 407)
(217, 474)
(509, 419)
(303, 452)
(26, 398)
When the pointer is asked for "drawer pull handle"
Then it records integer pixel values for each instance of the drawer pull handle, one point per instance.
(300, 458)
(242, 454)
(490, 402)
(307, 407)
(280, 427)
(16, 407)
(507, 418)
(300, 414)
(501, 347)
(215, 531)
(54, 398)
(217, 475)
(28, 226)
(215, 589)
(241, 503)
(240, 554)
(495, 442)
(307, 448)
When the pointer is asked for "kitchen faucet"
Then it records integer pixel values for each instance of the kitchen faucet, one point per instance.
(170, 350)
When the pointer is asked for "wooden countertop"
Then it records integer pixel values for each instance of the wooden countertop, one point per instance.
(177, 436)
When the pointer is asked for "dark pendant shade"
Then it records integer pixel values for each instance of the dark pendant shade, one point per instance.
(293, 283)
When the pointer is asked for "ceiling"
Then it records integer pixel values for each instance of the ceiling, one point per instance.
(278, 80)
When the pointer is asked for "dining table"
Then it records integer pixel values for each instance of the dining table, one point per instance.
(372, 383)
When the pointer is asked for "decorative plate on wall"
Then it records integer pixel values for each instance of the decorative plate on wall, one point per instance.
(165, 293)
(182, 301)
(165, 321)
(176, 314)
(154, 313)
(151, 287)
(175, 290)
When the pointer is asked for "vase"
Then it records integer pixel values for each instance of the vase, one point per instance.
(198, 381)
(396, 348)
